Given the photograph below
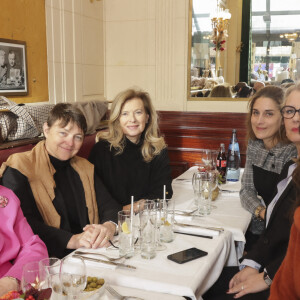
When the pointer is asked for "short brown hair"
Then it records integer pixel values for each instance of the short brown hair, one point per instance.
(66, 113)
(276, 94)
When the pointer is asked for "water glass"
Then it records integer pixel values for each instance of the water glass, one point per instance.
(167, 225)
(49, 269)
(148, 233)
(197, 185)
(31, 277)
(73, 276)
(208, 183)
(126, 234)
(159, 205)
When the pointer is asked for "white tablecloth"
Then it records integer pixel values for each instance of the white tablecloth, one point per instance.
(161, 275)
(146, 295)
(227, 211)
(193, 278)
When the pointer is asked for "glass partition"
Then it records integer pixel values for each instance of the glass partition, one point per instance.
(274, 47)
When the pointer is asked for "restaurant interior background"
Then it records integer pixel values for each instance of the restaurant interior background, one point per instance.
(94, 49)
(269, 48)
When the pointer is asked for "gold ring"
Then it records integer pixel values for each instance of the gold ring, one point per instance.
(107, 238)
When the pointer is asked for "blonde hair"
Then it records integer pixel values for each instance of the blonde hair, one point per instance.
(292, 88)
(153, 142)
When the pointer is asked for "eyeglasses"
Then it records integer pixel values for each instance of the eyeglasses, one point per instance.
(288, 112)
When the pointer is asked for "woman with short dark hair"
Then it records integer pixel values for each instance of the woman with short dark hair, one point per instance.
(62, 199)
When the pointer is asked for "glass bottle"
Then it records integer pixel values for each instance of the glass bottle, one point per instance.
(233, 159)
(221, 163)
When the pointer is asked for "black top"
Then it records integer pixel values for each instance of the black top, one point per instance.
(270, 249)
(265, 183)
(69, 202)
(127, 174)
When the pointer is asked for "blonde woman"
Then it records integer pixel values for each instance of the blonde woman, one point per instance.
(132, 158)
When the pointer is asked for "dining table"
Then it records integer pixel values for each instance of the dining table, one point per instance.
(218, 234)
(227, 211)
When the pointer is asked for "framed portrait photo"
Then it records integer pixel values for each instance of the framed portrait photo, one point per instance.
(13, 68)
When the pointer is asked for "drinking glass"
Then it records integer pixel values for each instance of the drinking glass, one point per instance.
(159, 205)
(207, 184)
(148, 232)
(126, 235)
(207, 158)
(49, 269)
(31, 277)
(73, 276)
(197, 185)
(167, 224)
(143, 204)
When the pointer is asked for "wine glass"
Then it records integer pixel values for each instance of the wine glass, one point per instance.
(73, 276)
(49, 269)
(207, 159)
(208, 183)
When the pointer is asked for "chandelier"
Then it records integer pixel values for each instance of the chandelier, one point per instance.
(219, 21)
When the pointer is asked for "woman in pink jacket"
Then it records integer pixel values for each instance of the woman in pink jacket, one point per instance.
(18, 244)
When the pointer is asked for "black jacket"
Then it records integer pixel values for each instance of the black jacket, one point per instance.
(271, 247)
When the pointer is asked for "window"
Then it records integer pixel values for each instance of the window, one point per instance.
(275, 36)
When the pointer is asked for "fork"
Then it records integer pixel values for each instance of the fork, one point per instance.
(119, 296)
(100, 254)
(185, 213)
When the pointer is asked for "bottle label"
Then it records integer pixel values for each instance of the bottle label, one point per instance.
(223, 164)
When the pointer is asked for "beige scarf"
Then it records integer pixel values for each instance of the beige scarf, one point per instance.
(36, 166)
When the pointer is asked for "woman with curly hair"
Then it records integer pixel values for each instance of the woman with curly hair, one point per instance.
(132, 158)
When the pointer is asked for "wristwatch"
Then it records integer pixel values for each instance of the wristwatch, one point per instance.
(267, 279)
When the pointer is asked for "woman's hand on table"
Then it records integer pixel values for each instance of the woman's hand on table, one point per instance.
(253, 284)
(93, 236)
(8, 284)
(241, 276)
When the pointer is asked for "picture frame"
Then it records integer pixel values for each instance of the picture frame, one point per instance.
(13, 68)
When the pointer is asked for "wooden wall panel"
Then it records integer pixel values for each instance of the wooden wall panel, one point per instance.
(186, 133)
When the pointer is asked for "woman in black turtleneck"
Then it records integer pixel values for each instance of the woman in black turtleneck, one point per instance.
(132, 158)
(63, 200)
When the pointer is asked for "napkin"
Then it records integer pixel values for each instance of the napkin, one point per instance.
(231, 186)
(195, 229)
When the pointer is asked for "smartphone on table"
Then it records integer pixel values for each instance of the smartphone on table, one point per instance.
(184, 256)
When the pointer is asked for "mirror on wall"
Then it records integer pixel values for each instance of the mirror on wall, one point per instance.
(271, 47)
(207, 45)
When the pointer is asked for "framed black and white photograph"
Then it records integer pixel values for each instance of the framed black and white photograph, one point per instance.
(13, 68)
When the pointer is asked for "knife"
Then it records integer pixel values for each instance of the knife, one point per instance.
(105, 261)
(192, 225)
(228, 191)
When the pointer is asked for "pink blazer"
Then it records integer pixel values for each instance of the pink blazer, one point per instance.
(18, 244)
